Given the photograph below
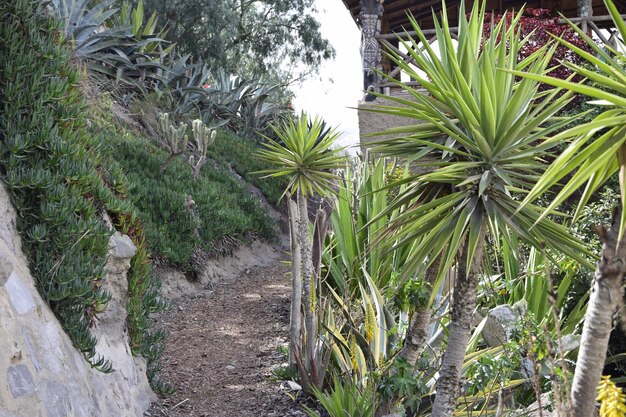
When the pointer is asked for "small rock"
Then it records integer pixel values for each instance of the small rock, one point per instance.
(229, 367)
(294, 386)
(19, 294)
(501, 320)
(20, 381)
(181, 308)
(570, 342)
(123, 246)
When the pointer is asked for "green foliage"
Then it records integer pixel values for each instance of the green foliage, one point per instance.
(413, 294)
(144, 300)
(60, 186)
(217, 97)
(401, 383)
(479, 145)
(113, 42)
(225, 207)
(360, 334)
(244, 105)
(346, 398)
(284, 373)
(50, 168)
(238, 153)
(596, 148)
(128, 53)
(352, 249)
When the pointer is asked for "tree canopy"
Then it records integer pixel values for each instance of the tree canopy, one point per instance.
(246, 36)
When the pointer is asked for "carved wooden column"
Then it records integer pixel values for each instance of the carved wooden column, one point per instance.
(585, 9)
(369, 18)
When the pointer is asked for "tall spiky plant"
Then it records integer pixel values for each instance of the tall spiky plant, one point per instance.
(479, 144)
(308, 159)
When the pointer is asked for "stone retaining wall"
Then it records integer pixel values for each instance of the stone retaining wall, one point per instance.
(41, 373)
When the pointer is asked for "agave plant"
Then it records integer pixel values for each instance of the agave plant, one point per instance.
(346, 398)
(360, 347)
(112, 41)
(480, 143)
(596, 152)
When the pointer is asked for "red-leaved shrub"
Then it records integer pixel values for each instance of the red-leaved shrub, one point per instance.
(540, 24)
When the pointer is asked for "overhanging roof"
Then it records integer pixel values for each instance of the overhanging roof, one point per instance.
(395, 11)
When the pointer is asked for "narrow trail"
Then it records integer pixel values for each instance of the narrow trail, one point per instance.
(223, 345)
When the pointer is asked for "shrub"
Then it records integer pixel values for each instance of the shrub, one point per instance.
(540, 25)
(238, 153)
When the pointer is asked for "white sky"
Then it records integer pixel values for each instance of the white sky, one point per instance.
(341, 83)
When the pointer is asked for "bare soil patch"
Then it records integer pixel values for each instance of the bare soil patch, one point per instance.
(223, 345)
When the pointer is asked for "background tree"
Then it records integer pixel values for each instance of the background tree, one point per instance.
(254, 37)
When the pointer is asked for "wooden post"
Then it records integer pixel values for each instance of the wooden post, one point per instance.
(369, 19)
(585, 9)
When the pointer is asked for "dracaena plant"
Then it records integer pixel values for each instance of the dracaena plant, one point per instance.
(308, 159)
(596, 152)
(477, 146)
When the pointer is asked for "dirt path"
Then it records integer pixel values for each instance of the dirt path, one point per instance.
(223, 345)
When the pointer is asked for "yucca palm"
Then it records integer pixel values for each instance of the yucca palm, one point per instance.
(479, 146)
(597, 152)
(308, 159)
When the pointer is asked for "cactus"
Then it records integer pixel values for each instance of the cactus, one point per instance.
(203, 137)
(174, 139)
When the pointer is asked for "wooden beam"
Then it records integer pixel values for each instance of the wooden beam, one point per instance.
(584, 10)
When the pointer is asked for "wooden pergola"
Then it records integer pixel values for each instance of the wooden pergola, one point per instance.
(380, 21)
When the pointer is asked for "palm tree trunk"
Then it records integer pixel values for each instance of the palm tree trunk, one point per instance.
(603, 301)
(295, 318)
(418, 327)
(459, 331)
(304, 237)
